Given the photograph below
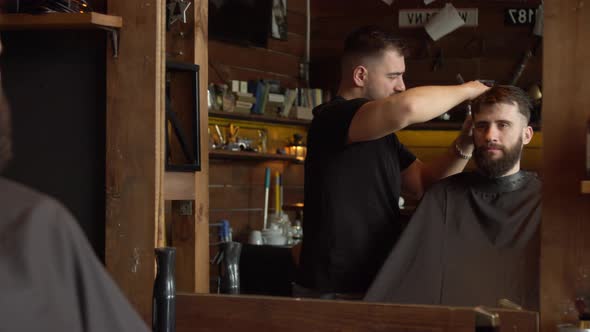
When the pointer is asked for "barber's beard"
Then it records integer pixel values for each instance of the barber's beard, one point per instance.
(374, 92)
(371, 93)
(498, 167)
(5, 132)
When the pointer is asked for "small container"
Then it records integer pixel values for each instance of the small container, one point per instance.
(255, 238)
(230, 276)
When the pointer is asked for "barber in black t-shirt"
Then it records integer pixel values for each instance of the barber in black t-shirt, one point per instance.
(356, 168)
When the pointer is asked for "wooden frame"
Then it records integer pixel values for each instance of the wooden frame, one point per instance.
(130, 222)
(192, 154)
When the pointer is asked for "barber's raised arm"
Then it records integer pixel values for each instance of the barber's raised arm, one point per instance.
(379, 118)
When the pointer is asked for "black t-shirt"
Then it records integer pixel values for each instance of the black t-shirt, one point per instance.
(351, 213)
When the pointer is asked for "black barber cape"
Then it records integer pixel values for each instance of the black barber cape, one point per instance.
(50, 279)
(472, 241)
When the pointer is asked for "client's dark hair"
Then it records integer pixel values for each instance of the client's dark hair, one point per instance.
(506, 94)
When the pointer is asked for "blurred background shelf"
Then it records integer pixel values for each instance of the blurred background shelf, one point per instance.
(585, 187)
(259, 118)
(246, 155)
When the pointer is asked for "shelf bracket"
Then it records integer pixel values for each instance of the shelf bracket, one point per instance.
(114, 33)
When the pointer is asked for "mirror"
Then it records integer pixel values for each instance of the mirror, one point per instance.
(491, 47)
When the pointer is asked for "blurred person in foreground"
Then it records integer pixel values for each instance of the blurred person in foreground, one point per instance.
(50, 278)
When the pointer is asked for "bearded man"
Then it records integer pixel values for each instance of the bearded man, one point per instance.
(474, 238)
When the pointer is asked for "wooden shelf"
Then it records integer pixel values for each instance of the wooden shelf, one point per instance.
(259, 118)
(433, 125)
(65, 21)
(59, 21)
(245, 155)
(585, 187)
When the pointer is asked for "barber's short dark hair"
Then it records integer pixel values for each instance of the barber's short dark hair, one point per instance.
(506, 94)
(370, 41)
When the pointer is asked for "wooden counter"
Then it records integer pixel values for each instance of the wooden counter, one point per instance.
(221, 313)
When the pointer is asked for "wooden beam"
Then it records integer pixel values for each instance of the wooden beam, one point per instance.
(179, 186)
(183, 239)
(134, 150)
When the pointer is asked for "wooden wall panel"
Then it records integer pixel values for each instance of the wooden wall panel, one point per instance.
(566, 212)
(279, 60)
(492, 50)
(339, 8)
(263, 60)
(133, 153)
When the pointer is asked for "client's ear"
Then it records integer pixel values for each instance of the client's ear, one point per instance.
(527, 135)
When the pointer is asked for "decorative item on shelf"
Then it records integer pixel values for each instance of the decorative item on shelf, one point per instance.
(219, 98)
(296, 147)
(305, 101)
(279, 19)
(446, 21)
(243, 102)
(176, 10)
(266, 192)
(251, 138)
(301, 112)
(215, 95)
(535, 93)
(262, 147)
(290, 98)
(240, 144)
(229, 101)
(232, 133)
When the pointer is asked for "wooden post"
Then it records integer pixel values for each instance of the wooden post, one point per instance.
(187, 42)
(565, 228)
(134, 164)
(202, 178)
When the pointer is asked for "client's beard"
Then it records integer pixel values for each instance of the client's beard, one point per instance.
(5, 132)
(497, 167)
